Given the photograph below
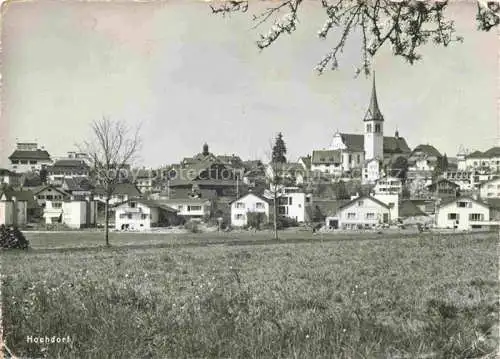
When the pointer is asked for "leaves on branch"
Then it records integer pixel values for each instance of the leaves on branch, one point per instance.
(404, 25)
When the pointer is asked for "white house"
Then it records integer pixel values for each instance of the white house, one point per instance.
(363, 212)
(388, 185)
(29, 157)
(50, 193)
(392, 201)
(245, 204)
(327, 161)
(490, 189)
(371, 171)
(292, 204)
(140, 214)
(461, 213)
(79, 214)
(13, 210)
(190, 208)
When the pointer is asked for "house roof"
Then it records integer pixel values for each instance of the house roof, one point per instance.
(492, 152)
(128, 189)
(28, 155)
(23, 195)
(428, 150)
(392, 145)
(409, 209)
(306, 160)
(178, 193)
(71, 163)
(150, 203)
(248, 194)
(476, 154)
(6, 172)
(185, 201)
(457, 199)
(73, 184)
(57, 189)
(329, 207)
(441, 180)
(326, 157)
(494, 203)
(361, 198)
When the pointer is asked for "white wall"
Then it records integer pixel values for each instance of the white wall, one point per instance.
(360, 213)
(6, 213)
(139, 218)
(389, 199)
(295, 210)
(443, 221)
(490, 189)
(248, 203)
(74, 214)
(185, 208)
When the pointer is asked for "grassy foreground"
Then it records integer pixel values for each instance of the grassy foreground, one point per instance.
(424, 296)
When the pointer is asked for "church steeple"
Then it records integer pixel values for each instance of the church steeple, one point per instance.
(373, 112)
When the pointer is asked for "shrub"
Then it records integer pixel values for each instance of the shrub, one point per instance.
(12, 238)
(192, 227)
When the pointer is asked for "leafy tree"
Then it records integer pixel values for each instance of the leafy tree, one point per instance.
(404, 25)
(256, 219)
(43, 175)
(279, 150)
(400, 168)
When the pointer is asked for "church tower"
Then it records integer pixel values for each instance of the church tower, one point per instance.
(374, 129)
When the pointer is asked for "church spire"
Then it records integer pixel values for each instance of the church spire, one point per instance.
(373, 112)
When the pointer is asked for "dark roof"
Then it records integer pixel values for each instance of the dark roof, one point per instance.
(355, 142)
(57, 189)
(177, 193)
(307, 161)
(73, 184)
(329, 207)
(476, 154)
(451, 200)
(428, 150)
(27, 155)
(70, 163)
(6, 172)
(326, 157)
(409, 209)
(23, 195)
(150, 203)
(361, 198)
(122, 189)
(373, 112)
(494, 203)
(184, 200)
(493, 152)
(441, 180)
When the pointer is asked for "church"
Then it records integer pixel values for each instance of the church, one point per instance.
(368, 152)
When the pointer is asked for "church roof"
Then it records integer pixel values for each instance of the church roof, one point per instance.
(392, 145)
(373, 112)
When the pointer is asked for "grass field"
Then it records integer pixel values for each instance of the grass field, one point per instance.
(244, 296)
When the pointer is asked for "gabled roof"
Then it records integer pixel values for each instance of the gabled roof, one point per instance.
(476, 154)
(428, 150)
(409, 209)
(373, 112)
(73, 184)
(492, 152)
(128, 189)
(149, 203)
(326, 157)
(392, 145)
(57, 189)
(71, 163)
(361, 198)
(306, 160)
(30, 155)
(248, 194)
(27, 196)
(458, 199)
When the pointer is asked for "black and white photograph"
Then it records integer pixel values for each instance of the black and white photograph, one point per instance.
(250, 179)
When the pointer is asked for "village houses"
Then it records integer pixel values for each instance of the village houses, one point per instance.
(28, 157)
(249, 203)
(463, 213)
(141, 214)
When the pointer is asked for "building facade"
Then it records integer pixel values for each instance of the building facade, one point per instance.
(29, 157)
(249, 203)
(462, 213)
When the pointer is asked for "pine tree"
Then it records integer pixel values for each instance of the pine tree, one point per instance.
(279, 150)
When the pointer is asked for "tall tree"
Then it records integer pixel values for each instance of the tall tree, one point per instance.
(279, 150)
(404, 25)
(341, 191)
(112, 148)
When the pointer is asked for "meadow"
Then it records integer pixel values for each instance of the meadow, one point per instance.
(242, 295)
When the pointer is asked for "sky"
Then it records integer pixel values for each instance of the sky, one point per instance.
(189, 77)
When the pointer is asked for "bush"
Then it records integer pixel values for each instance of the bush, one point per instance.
(192, 227)
(12, 238)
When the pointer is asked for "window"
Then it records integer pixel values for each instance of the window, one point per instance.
(358, 158)
(238, 216)
(476, 217)
(240, 205)
(33, 162)
(290, 201)
(300, 205)
(308, 199)
(370, 216)
(129, 215)
(391, 205)
(15, 162)
(351, 215)
(350, 158)
(490, 194)
(49, 197)
(490, 186)
(360, 203)
(56, 205)
(194, 208)
(41, 196)
(24, 162)
(144, 216)
(369, 128)
(259, 205)
(462, 204)
(123, 215)
(377, 127)
(452, 216)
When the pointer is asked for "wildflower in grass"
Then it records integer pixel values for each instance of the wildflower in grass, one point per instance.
(344, 330)
(364, 293)
(307, 336)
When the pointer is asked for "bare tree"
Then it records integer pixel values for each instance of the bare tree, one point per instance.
(403, 24)
(112, 148)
